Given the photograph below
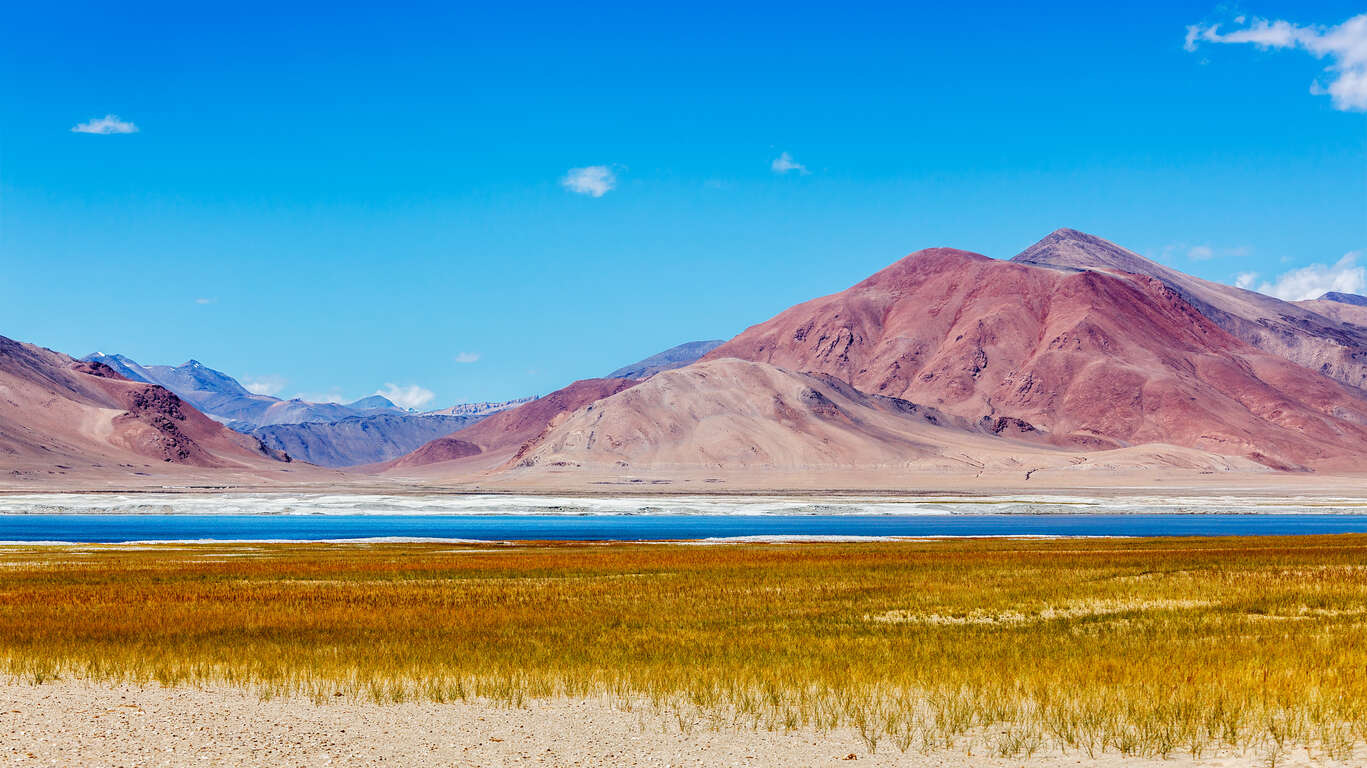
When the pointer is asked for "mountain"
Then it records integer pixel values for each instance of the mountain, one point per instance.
(195, 377)
(380, 436)
(1090, 358)
(1282, 328)
(374, 403)
(124, 366)
(213, 392)
(730, 418)
(497, 438)
(1345, 298)
(81, 419)
(1347, 308)
(674, 357)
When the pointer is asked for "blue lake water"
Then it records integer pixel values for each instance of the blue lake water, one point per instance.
(610, 527)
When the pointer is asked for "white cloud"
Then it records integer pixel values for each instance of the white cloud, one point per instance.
(1200, 252)
(594, 181)
(334, 396)
(412, 396)
(264, 385)
(206, 301)
(1246, 280)
(109, 124)
(785, 163)
(1344, 275)
(1344, 46)
(467, 357)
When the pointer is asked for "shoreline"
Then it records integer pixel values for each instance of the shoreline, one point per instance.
(1117, 501)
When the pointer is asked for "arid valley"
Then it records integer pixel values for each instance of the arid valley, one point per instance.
(709, 384)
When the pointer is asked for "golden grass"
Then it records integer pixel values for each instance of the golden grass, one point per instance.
(1147, 647)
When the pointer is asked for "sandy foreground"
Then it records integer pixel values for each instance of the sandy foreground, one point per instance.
(84, 724)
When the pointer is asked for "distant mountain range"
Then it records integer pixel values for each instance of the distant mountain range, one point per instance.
(222, 397)
(1076, 362)
(359, 439)
(371, 429)
(479, 409)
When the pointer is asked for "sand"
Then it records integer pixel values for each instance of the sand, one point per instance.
(90, 724)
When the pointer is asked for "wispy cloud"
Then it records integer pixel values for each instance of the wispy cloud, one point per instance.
(203, 300)
(270, 384)
(467, 357)
(594, 180)
(785, 163)
(411, 396)
(1344, 46)
(1344, 275)
(104, 126)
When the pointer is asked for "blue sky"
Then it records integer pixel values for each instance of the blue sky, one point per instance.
(329, 198)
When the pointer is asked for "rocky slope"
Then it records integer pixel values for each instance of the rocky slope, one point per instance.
(1092, 359)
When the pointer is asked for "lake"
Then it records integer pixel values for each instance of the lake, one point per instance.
(79, 528)
(89, 518)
